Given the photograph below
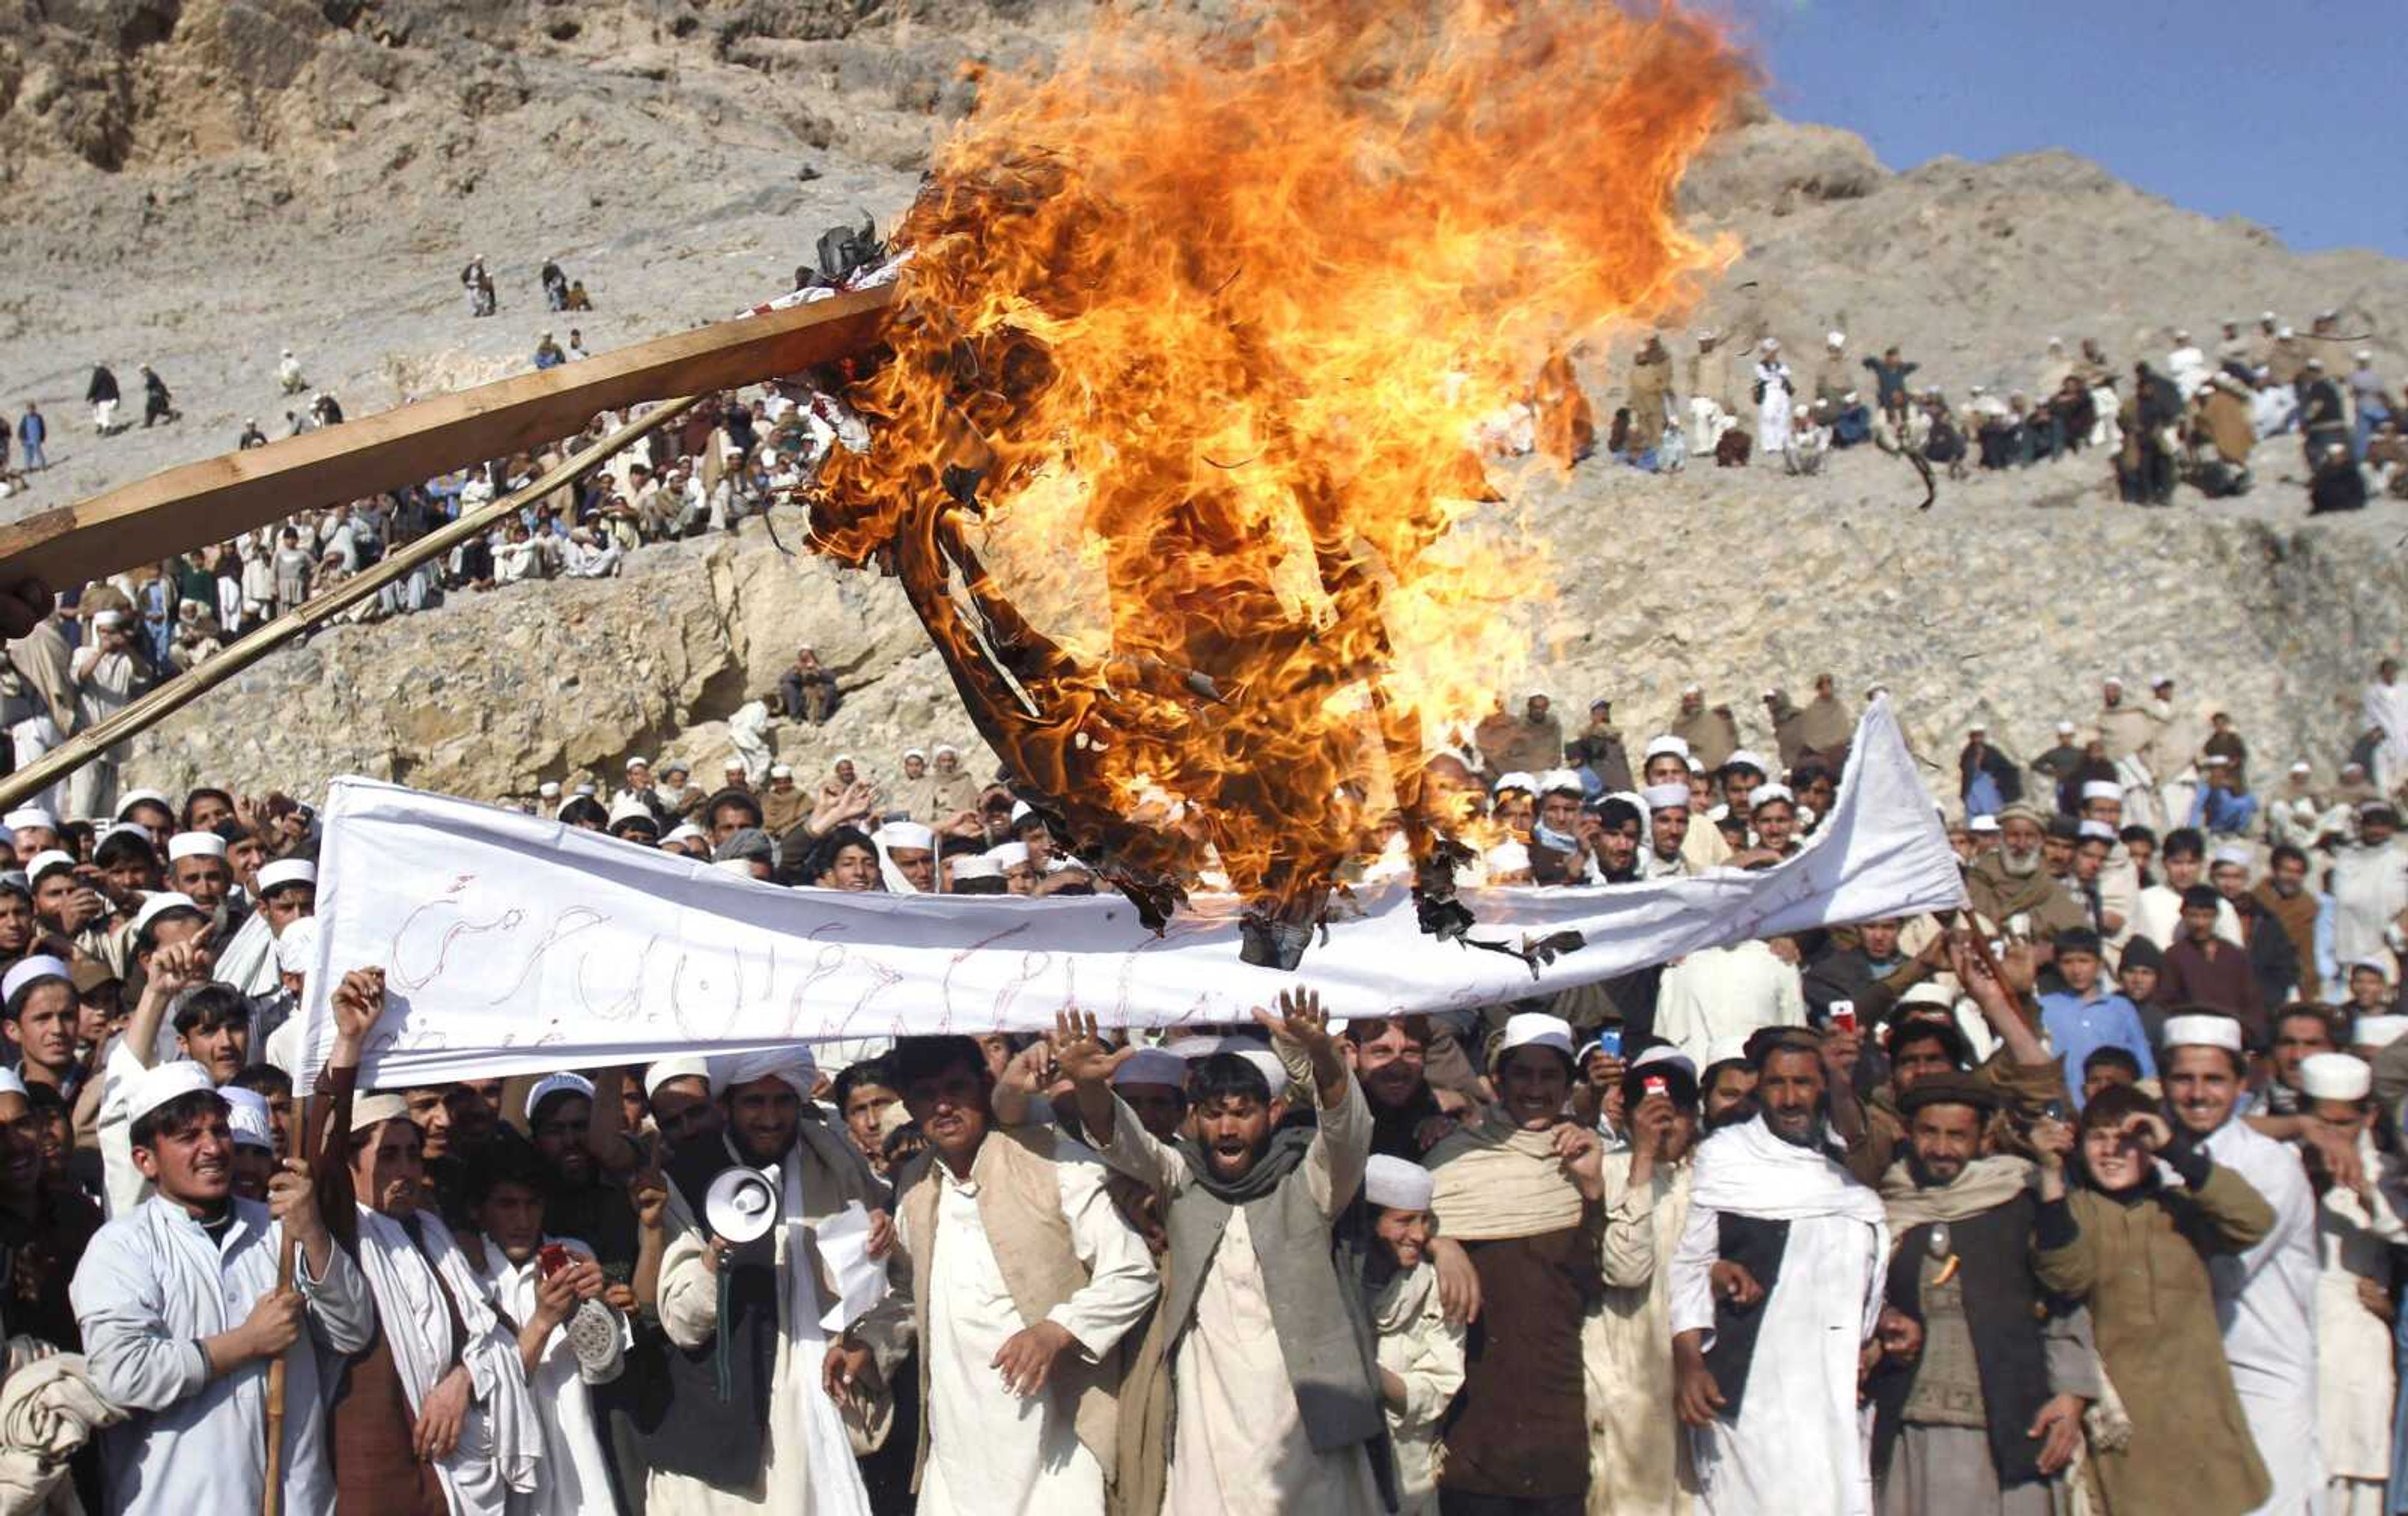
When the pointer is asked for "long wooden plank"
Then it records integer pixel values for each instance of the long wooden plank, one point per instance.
(199, 503)
(167, 699)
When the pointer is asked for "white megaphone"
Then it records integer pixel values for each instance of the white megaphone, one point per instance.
(742, 1203)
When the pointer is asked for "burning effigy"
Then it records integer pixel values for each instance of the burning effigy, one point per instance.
(1169, 426)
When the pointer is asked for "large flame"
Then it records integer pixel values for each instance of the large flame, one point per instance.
(1170, 442)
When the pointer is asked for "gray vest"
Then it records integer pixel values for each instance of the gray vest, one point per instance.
(1329, 1362)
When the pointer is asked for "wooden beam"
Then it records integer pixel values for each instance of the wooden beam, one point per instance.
(210, 501)
(164, 700)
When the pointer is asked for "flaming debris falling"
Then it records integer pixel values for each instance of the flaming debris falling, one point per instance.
(1192, 335)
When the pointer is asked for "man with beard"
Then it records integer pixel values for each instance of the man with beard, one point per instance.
(1780, 1265)
(2283, 896)
(1598, 749)
(1519, 1193)
(1388, 1055)
(775, 1443)
(2012, 882)
(1611, 837)
(2266, 1296)
(1711, 734)
(1009, 1258)
(1984, 1416)
(1275, 1391)
(580, 1201)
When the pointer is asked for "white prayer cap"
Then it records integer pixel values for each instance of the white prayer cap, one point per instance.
(2364, 354)
(1509, 858)
(548, 790)
(372, 1110)
(2102, 789)
(1697, 764)
(1658, 747)
(1020, 812)
(1928, 993)
(1771, 345)
(973, 866)
(553, 1084)
(296, 951)
(2233, 853)
(10, 1083)
(1516, 780)
(1152, 1065)
(2101, 829)
(840, 760)
(908, 834)
(943, 748)
(2377, 1030)
(1835, 339)
(2217, 760)
(1982, 825)
(920, 753)
(1977, 730)
(108, 620)
(1763, 795)
(155, 1086)
(28, 971)
(1274, 1073)
(1664, 1052)
(2284, 332)
(673, 766)
(684, 831)
(1008, 856)
(1726, 1050)
(1536, 1029)
(734, 765)
(45, 862)
(1743, 758)
(2303, 766)
(1397, 1184)
(161, 903)
(2265, 315)
(1666, 797)
(247, 1115)
(781, 770)
(1556, 781)
(26, 817)
(140, 797)
(2380, 965)
(195, 844)
(2065, 729)
(2202, 1031)
(2334, 1077)
(627, 807)
(2113, 681)
(2182, 334)
(588, 791)
(286, 871)
(124, 828)
(660, 1073)
(795, 1065)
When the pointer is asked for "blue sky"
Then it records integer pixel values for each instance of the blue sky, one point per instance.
(2290, 114)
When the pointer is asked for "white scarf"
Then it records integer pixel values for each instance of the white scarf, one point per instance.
(1748, 1171)
(417, 1326)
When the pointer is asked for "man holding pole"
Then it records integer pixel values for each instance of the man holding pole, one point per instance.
(182, 1316)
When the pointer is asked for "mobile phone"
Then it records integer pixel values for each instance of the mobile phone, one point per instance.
(2019, 926)
(550, 1259)
(1609, 1042)
(1844, 1015)
(1655, 1085)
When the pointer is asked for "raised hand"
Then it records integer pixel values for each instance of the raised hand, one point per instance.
(177, 967)
(1302, 1020)
(358, 1001)
(1080, 1051)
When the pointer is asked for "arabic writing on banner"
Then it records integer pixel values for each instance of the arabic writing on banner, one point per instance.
(514, 945)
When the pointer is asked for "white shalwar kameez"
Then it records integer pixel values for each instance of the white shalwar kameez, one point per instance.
(807, 1464)
(2353, 1347)
(991, 1452)
(575, 1478)
(152, 1285)
(2265, 1301)
(1799, 1442)
(2387, 711)
(1721, 994)
(2369, 890)
(1772, 411)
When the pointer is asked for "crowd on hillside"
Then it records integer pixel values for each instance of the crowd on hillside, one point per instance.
(2176, 417)
(2090, 1200)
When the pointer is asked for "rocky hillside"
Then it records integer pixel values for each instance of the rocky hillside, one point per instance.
(220, 177)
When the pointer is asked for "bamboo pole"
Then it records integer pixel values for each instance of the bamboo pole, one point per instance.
(271, 1496)
(196, 504)
(177, 693)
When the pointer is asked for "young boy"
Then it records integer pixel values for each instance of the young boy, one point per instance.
(1420, 1353)
(2085, 1015)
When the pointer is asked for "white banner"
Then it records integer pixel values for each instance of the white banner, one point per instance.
(513, 944)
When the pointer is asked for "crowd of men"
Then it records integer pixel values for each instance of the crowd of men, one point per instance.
(2087, 1198)
(2180, 415)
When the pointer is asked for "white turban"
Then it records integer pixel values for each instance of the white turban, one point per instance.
(675, 1068)
(795, 1065)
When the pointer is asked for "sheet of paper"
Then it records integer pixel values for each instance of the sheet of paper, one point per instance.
(856, 1281)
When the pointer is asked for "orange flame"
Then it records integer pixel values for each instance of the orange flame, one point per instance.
(1192, 338)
